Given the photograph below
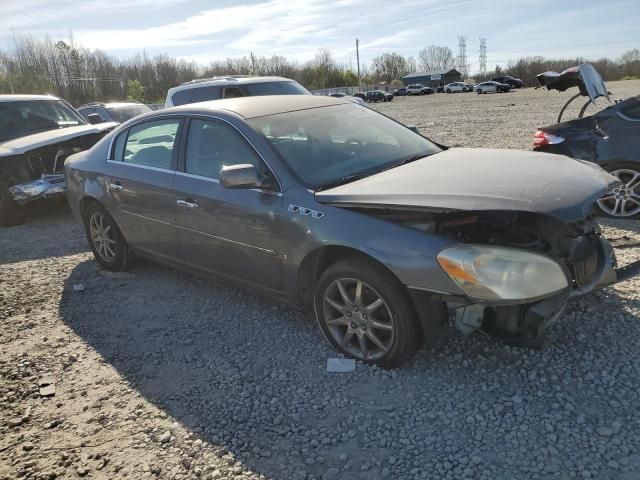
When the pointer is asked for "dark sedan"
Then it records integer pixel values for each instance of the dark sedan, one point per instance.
(609, 138)
(386, 236)
(509, 80)
(378, 96)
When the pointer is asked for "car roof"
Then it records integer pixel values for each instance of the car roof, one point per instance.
(252, 107)
(229, 80)
(26, 98)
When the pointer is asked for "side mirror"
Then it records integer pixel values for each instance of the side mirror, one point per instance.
(243, 175)
(94, 118)
(413, 128)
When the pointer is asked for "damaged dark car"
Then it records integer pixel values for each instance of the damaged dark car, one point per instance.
(387, 236)
(609, 138)
(37, 134)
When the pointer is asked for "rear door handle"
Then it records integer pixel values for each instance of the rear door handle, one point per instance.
(116, 186)
(188, 203)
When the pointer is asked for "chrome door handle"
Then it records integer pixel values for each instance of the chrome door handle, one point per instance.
(116, 187)
(184, 203)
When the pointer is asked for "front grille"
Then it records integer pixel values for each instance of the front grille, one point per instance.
(585, 270)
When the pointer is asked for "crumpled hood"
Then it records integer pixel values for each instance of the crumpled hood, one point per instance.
(481, 179)
(18, 146)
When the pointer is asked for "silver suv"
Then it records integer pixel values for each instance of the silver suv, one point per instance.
(415, 89)
(231, 86)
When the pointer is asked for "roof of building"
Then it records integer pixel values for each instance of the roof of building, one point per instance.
(433, 72)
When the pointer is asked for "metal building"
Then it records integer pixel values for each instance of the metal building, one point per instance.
(434, 79)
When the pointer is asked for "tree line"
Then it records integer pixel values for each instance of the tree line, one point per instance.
(81, 75)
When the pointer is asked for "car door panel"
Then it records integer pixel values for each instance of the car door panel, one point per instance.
(231, 232)
(141, 196)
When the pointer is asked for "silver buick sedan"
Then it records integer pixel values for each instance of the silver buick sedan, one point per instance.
(389, 237)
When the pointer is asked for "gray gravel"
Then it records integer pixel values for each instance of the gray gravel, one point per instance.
(161, 374)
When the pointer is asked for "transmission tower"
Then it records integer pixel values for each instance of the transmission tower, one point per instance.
(483, 56)
(462, 55)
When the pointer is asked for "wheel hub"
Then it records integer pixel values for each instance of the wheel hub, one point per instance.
(624, 200)
(358, 319)
(102, 237)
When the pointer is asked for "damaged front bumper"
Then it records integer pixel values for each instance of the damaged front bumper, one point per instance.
(47, 186)
(524, 323)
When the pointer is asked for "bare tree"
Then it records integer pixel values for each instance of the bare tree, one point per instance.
(435, 57)
(412, 64)
(389, 66)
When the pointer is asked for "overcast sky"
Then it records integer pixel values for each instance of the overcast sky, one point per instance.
(206, 30)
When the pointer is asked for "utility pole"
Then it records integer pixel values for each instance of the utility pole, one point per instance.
(358, 60)
(253, 64)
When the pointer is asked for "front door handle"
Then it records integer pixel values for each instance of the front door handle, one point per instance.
(116, 187)
(188, 203)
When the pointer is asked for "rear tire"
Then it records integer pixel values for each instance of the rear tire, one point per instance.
(379, 325)
(11, 212)
(106, 240)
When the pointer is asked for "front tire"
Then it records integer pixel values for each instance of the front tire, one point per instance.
(479, 91)
(106, 240)
(448, 90)
(366, 313)
(622, 201)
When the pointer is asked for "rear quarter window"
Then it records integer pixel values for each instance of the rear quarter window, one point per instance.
(632, 110)
(182, 97)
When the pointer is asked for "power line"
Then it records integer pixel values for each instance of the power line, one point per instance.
(483, 56)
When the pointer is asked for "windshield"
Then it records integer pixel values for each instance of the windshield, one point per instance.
(22, 118)
(325, 145)
(122, 114)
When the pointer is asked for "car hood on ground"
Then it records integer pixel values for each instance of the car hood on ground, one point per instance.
(481, 179)
(18, 146)
(584, 76)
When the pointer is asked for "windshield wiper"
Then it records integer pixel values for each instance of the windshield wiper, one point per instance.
(342, 181)
(409, 159)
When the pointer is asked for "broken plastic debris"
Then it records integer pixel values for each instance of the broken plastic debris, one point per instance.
(47, 185)
(78, 287)
(341, 365)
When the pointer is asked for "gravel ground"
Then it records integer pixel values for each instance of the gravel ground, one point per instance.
(161, 374)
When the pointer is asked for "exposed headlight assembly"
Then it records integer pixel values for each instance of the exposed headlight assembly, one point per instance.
(501, 273)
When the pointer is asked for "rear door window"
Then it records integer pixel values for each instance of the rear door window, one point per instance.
(233, 92)
(151, 143)
(204, 94)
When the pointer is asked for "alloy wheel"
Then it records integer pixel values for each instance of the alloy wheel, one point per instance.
(623, 200)
(358, 318)
(102, 237)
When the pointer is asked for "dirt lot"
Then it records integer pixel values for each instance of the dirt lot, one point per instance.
(160, 374)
